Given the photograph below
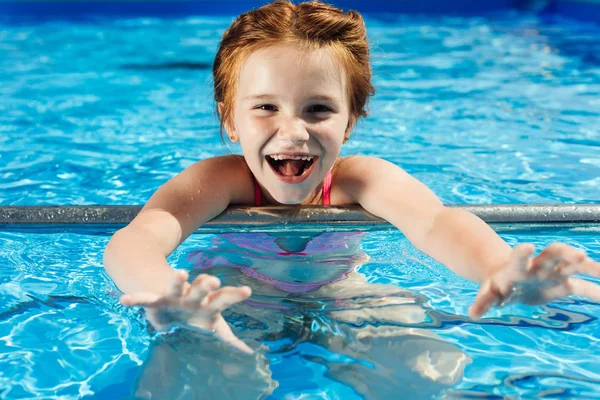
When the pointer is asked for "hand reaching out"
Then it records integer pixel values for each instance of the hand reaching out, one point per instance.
(538, 280)
(195, 306)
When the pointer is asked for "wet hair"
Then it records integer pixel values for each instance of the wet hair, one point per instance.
(310, 25)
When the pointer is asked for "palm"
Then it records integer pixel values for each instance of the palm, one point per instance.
(195, 306)
(163, 315)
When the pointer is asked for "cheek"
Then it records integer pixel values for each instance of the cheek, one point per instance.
(261, 126)
(254, 128)
(253, 135)
(333, 130)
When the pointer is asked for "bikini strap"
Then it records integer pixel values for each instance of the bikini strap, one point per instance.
(327, 189)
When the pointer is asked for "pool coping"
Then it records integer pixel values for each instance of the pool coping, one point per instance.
(243, 218)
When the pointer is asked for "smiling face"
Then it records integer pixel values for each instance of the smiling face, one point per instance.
(291, 116)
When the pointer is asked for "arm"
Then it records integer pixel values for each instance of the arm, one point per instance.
(135, 257)
(454, 237)
(463, 242)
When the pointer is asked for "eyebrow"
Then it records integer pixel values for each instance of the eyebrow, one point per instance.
(259, 97)
(322, 97)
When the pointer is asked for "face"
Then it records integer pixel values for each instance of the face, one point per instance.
(291, 116)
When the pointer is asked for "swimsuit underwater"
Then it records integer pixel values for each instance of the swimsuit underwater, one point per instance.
(292, 263)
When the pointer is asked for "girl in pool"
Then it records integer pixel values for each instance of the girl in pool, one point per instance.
(291, 81)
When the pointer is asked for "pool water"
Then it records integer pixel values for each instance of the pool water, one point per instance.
(483, 110)
(62, 332)
(500, 109)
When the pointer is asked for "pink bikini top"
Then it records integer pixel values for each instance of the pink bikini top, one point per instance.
(326, 191)
(336, 251)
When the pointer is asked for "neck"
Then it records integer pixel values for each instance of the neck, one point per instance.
(314, 199)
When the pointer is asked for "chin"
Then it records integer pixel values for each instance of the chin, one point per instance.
(291, 199)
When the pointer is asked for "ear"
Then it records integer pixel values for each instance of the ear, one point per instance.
(228, 127)
(351, 123)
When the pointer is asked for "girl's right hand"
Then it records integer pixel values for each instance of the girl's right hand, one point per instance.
(195, 306)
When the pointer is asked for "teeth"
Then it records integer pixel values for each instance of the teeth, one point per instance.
(280, 157)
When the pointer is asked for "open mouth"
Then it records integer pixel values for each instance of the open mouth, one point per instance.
(291, 168)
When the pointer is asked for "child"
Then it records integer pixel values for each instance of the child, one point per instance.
(291, 81)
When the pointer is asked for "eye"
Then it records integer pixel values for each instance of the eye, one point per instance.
(319, 108)
(266, 107)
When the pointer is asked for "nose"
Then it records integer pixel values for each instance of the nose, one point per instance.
(294, 130)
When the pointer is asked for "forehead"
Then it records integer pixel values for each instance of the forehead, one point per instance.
(290, 69)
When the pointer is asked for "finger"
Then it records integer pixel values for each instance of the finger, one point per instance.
(487, 296)
(140, 299)
(202, 285)
(204, 279)
(587, 267)
(226, 297)
(178, 280)
(520, 255)
(584, 288)
(553, 255)
(223, 331)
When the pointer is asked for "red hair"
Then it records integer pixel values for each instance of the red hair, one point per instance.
(311, 25)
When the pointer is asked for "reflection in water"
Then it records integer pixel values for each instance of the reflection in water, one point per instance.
(547, 385)
(310, 304)
(185, 365)
(306, 292)
(542, 385)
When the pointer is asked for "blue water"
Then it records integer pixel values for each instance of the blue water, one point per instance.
(500, 109)
(496, 110)
(62, 332)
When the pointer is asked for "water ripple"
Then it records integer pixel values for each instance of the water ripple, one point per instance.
(493, 102)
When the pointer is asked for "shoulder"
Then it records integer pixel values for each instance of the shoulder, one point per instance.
(227, 176)
(230, 171)
(229, 166)
(354, 175)
(348, 166)
(230, 161)
(194, 196)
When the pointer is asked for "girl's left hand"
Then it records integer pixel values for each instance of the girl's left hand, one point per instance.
(538, 280)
